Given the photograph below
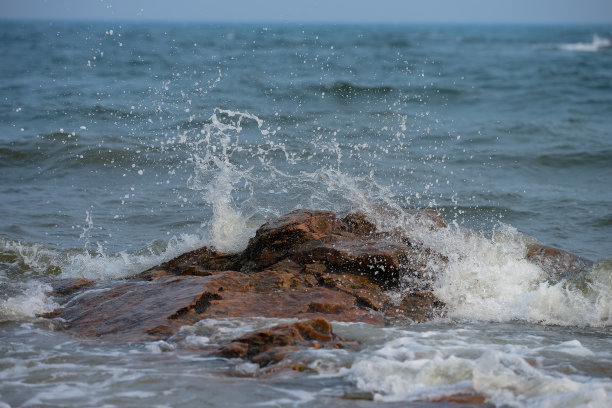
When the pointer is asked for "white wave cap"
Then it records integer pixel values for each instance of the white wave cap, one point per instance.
(413, 369)
(33, 301)
(489, 278)
(597, 44)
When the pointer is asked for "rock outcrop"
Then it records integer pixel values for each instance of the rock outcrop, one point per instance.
(313, 266)
(304, 265)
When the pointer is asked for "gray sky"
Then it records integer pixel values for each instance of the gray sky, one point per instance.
(341, 11)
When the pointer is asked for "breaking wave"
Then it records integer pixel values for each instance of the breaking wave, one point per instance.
(597, 44)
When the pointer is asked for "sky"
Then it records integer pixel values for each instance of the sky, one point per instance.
(322, 11)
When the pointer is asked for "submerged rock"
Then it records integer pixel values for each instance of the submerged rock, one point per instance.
(269, 346)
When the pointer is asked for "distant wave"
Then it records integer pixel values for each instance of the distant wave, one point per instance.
(560, 160)
(348, 90)
(564, 160)
(62, 150)
(344, 89)
(597, 44)
(604, 221)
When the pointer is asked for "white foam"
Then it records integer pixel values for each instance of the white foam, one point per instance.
(421, 368)
(34, 259)
(489, 278)
(574, 348)
(60, 392)
(215, 331)
(296, 398)
(195, 341)
(395, 380)
(507, 379)
(135, 394)
(31, 258)
(597, 44)
(246, 369)
(159, 346)
(100, 265)
(33, 301)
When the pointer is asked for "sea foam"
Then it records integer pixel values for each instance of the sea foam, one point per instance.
(31, 302)
(488, 278)
(432, 365)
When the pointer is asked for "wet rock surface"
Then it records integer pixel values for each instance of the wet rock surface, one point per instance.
(269, 346)
(313, 266)
(556, 262)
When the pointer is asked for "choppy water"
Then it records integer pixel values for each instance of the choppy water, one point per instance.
(122, 145)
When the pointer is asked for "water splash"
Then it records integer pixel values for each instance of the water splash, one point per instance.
(217, 176)
(32, 301)
(101, 265)
(489, 278)
(22, 260)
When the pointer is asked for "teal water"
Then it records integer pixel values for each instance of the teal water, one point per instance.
(122, 145)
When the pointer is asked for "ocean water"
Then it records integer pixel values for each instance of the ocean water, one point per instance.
(125, 144)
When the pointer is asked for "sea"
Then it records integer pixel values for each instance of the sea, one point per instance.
(124, 144)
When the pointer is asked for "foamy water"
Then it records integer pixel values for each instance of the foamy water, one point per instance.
(429, 365)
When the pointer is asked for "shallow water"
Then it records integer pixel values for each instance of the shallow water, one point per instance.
(511, 364)
(123, 145)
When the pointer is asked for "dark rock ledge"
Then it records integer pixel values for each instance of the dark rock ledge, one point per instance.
(310, 265)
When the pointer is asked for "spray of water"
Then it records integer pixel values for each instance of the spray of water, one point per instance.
(245, 173)
(216, 175)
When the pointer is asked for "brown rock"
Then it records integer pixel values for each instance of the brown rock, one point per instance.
(556, 262)
(285, 274)
(381, 260)
(277, 239)
(415, 306)
(296, 303)
(366, 293)
(347, 245)
(67, 287)
(200, 262)
(196, 307)
(133, 311)
(358, 224)
(461, 398)
(275, 355)
(63, 289)
(305, 265)
(325, 307)
(146, 310)
(268, 346)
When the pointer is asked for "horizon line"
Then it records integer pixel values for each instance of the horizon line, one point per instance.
(297, 22)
